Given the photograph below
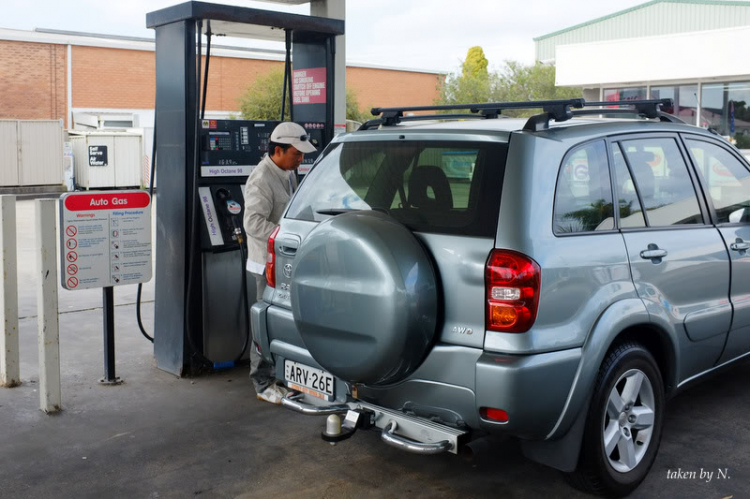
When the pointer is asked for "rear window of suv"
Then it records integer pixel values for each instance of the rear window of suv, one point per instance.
(430, 186)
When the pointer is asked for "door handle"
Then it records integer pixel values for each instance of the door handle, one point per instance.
(650, 254)
(740, 246)
(653, 253)
(288, 250)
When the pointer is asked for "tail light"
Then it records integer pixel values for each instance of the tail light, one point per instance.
(513, 282)
(271, 259)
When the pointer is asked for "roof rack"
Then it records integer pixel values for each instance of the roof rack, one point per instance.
(419, 117)
(661, 115)
(648, 108)
(560, 110)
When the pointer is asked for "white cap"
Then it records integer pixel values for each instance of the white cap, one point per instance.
(293, 134)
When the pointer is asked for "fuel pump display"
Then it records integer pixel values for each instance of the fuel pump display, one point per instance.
(233, 147)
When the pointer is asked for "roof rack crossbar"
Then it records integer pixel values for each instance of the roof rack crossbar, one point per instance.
(483, 105)
(661, 115)
(368, 125)
(646, 107)
(560, 109)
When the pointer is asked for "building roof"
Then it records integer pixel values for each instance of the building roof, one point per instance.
(61, 37)
(730, 3)
(655, 18)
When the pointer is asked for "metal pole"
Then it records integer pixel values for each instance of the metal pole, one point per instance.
(287, 64)
(47, 309)
(108, 300)
(335, 9)
(9, 357)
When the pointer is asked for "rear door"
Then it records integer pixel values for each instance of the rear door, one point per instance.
(726, 180)
(444, 188)
(678, 260)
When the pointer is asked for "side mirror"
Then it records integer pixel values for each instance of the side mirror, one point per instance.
(739, 216)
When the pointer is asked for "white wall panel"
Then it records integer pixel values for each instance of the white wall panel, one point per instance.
(651, 19)
(9, 153)
(689, 56)
(128, 161)
(41, 157)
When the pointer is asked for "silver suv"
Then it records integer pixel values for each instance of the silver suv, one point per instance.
(554, 279)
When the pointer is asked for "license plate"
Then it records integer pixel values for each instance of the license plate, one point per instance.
(309, 380)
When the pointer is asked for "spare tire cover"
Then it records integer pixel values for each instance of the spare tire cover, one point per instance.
(364, 297)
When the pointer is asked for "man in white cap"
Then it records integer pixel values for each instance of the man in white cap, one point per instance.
(267, 192)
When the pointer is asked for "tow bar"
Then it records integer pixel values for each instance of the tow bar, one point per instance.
(416, 435)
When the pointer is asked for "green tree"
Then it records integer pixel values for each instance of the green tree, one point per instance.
(514, 82)
(475, 65)
(353, 112)
(472, 85)
(262, 99)
(518, 82)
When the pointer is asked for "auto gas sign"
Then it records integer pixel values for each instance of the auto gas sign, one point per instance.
(105, 239)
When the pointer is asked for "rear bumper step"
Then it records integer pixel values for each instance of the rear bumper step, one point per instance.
(292, 401)
(408, 433)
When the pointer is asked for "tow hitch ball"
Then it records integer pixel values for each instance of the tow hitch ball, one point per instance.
(336, 431)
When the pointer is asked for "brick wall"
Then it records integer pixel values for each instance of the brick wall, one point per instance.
(386, 88)
(33, 81)
(113, 78)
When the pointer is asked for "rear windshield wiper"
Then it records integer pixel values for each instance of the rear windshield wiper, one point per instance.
(336, 211)
(339, 211)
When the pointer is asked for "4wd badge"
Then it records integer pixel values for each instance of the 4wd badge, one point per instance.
(462, 330)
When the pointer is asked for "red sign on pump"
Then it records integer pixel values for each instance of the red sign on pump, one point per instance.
(309, 86)
(107, 201)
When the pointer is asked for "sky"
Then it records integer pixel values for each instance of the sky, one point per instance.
(416, 34)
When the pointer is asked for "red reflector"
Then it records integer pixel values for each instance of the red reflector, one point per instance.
(491, 414)
(271, 259)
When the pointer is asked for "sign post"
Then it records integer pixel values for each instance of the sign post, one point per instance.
(105, 241)
(108, 299)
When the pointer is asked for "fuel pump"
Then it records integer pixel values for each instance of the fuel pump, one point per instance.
(229, 150)
(201, 292)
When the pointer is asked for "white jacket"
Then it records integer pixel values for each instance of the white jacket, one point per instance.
(267, 192)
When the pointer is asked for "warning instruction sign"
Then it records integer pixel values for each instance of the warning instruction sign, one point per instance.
(309, 86)
(105, 239)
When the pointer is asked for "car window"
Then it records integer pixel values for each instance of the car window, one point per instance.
(727, 180)
(663, 182)
(583, 198)
(456, 164)
(362, 171)
(631, 213)
(431, 186)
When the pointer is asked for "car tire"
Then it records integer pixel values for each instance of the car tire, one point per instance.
(624, 423)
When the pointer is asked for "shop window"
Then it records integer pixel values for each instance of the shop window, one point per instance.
(725, 107)
(632, 93)
(685, 99)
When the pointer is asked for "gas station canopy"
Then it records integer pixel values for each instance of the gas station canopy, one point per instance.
(243, 22)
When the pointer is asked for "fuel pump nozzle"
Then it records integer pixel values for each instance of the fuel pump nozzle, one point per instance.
(232, 210)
